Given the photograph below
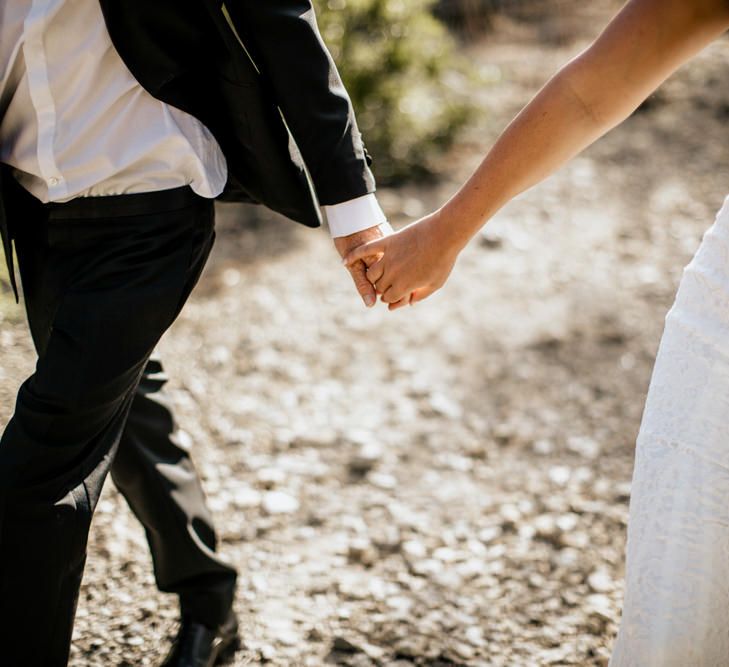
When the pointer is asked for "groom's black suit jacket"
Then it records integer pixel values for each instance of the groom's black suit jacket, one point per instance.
(258, 75)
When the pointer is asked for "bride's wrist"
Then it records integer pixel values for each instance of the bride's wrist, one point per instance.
(451, 231)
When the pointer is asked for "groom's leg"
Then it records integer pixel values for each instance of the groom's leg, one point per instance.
(102, 280)
(154, 472)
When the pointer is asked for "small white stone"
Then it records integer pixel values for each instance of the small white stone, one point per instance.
(567, 522)
(219, 355)
(510, 514)
(268, 652)
(600, 581)
(427, 567)
(471, 568)
(474, 635)
(279, 502)
(400, 603)
(546, 526)
(366, 458)
(567, 558)
(446, 554)
(490, 533)
(259, 583)
(414, 549)
(543, 447)
(106, 507)
(559, 475)
(231, 277)
(443, 405)
(287, 637)
(382, 480)
(245, 497)
(584, 446)
(600, 605)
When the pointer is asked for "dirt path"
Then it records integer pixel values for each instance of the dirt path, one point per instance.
(458, 473)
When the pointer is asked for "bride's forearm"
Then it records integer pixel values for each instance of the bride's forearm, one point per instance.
(639, 49)
(549, 131)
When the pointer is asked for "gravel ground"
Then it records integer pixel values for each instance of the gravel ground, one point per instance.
(448, 484)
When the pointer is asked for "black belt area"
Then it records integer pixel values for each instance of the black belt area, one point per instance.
(85, 208)
(122, 206)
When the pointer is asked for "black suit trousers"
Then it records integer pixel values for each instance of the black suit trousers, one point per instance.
(103, 279)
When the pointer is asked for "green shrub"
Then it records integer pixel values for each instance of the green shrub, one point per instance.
(406, 81)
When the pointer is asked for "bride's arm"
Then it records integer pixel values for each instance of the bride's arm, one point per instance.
(637, 51)
(646, 42)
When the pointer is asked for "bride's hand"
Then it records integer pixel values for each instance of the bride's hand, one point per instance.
(411, 264)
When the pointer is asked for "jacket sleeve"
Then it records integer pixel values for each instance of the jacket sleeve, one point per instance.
(283, 40)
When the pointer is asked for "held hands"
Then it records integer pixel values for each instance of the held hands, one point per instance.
(409, 265)
(357, 268)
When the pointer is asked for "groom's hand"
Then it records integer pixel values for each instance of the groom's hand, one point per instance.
(345, 244)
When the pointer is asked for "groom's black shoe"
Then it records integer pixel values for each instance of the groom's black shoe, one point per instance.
(196, 645)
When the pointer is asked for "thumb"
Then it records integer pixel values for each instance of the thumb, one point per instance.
(366, 289)
(370, 249)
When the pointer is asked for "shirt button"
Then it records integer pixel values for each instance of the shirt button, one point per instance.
(52, 181)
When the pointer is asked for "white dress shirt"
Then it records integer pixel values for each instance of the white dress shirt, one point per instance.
(76, 123)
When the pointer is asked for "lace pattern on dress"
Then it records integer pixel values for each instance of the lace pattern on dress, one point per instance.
(676, 609)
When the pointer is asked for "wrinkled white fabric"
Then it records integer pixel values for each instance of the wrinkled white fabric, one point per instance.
(74, 121)
(676, 609)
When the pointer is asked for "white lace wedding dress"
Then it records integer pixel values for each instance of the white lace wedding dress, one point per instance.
(676, 610)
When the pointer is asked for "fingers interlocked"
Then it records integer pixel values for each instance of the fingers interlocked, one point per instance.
(375, 272)
(374, 255)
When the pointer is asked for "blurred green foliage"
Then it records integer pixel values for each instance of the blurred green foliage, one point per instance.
(408, 84)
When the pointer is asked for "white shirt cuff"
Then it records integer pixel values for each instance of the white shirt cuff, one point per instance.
(354, 215)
